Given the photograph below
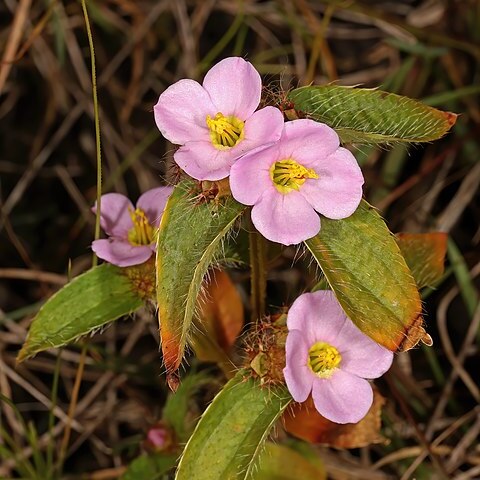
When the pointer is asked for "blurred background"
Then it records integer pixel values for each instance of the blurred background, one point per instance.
(427, 50)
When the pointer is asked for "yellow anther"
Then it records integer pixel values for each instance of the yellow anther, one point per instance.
(323, 359)
(288, 175)
(225, 132)
(142, 231)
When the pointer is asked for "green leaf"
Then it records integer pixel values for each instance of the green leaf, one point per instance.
(150, 467)
(230, 436)
(361, 115)
(88, 302)
(278, 462)
(425, 255)
(365, 268)
(191, 234)
(177, 406)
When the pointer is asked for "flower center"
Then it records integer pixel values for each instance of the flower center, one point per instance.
(323, 359)
(225, 132)
(142, 231)
(288, 175)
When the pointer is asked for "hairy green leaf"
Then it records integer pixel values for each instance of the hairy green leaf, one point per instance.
(88, 302)
(191, 234)
(365, 268)
(361, 115)
(231, 434)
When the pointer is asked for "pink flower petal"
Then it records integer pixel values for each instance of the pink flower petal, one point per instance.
(338, 191)
(360, 354)
(263, 127)
(234, 86)
(153, 203)
(286, 219)
(201, 160)
(250, 175)
(120, 252)
(319, 316)
(298, 376)
(114, 214)
(181, 112)
(159, 437)
(342, 398)
(306, 141)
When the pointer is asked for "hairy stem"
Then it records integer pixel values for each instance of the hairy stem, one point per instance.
(258, 272)
(97, 125)
(79, 374)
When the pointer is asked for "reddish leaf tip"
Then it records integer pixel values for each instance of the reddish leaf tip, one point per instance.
(173, 381)
(451, 118)
(171, 351)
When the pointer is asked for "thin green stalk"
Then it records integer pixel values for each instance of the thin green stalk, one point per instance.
(97, 125)
(81, 364)
(258, 272)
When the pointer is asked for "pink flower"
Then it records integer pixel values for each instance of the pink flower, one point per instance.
(131, 230)
(330, 357)
(159, 437)
(216, 122)
(287, 183)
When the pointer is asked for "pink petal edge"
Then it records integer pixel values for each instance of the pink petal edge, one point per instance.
(319, 315)
(361, 355)
(114, 214)
(306, 141)
(202, 161)
(337, 192)
(342, 398)
(287, 219)
(153, 202)
(121, 253)
(250, 175)
(181, 112)
(234, 86)
(298, 377)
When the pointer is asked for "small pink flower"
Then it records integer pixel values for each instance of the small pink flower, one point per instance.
(327, 355)
(159, 437)
(287, 183)
(216, 122)
(131, 230)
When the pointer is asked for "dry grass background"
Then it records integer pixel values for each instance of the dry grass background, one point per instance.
(424, 49)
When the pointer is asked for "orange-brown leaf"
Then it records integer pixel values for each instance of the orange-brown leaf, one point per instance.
(221, 310)
(303, 421)
(425, 255)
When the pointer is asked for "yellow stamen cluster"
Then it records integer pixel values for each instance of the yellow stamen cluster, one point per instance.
(288, 175)
(142, 232)
(225, 132)
(323, 359)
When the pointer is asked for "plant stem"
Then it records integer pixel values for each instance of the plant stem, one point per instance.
(81, 365)
(97, 125)
(258, 272)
